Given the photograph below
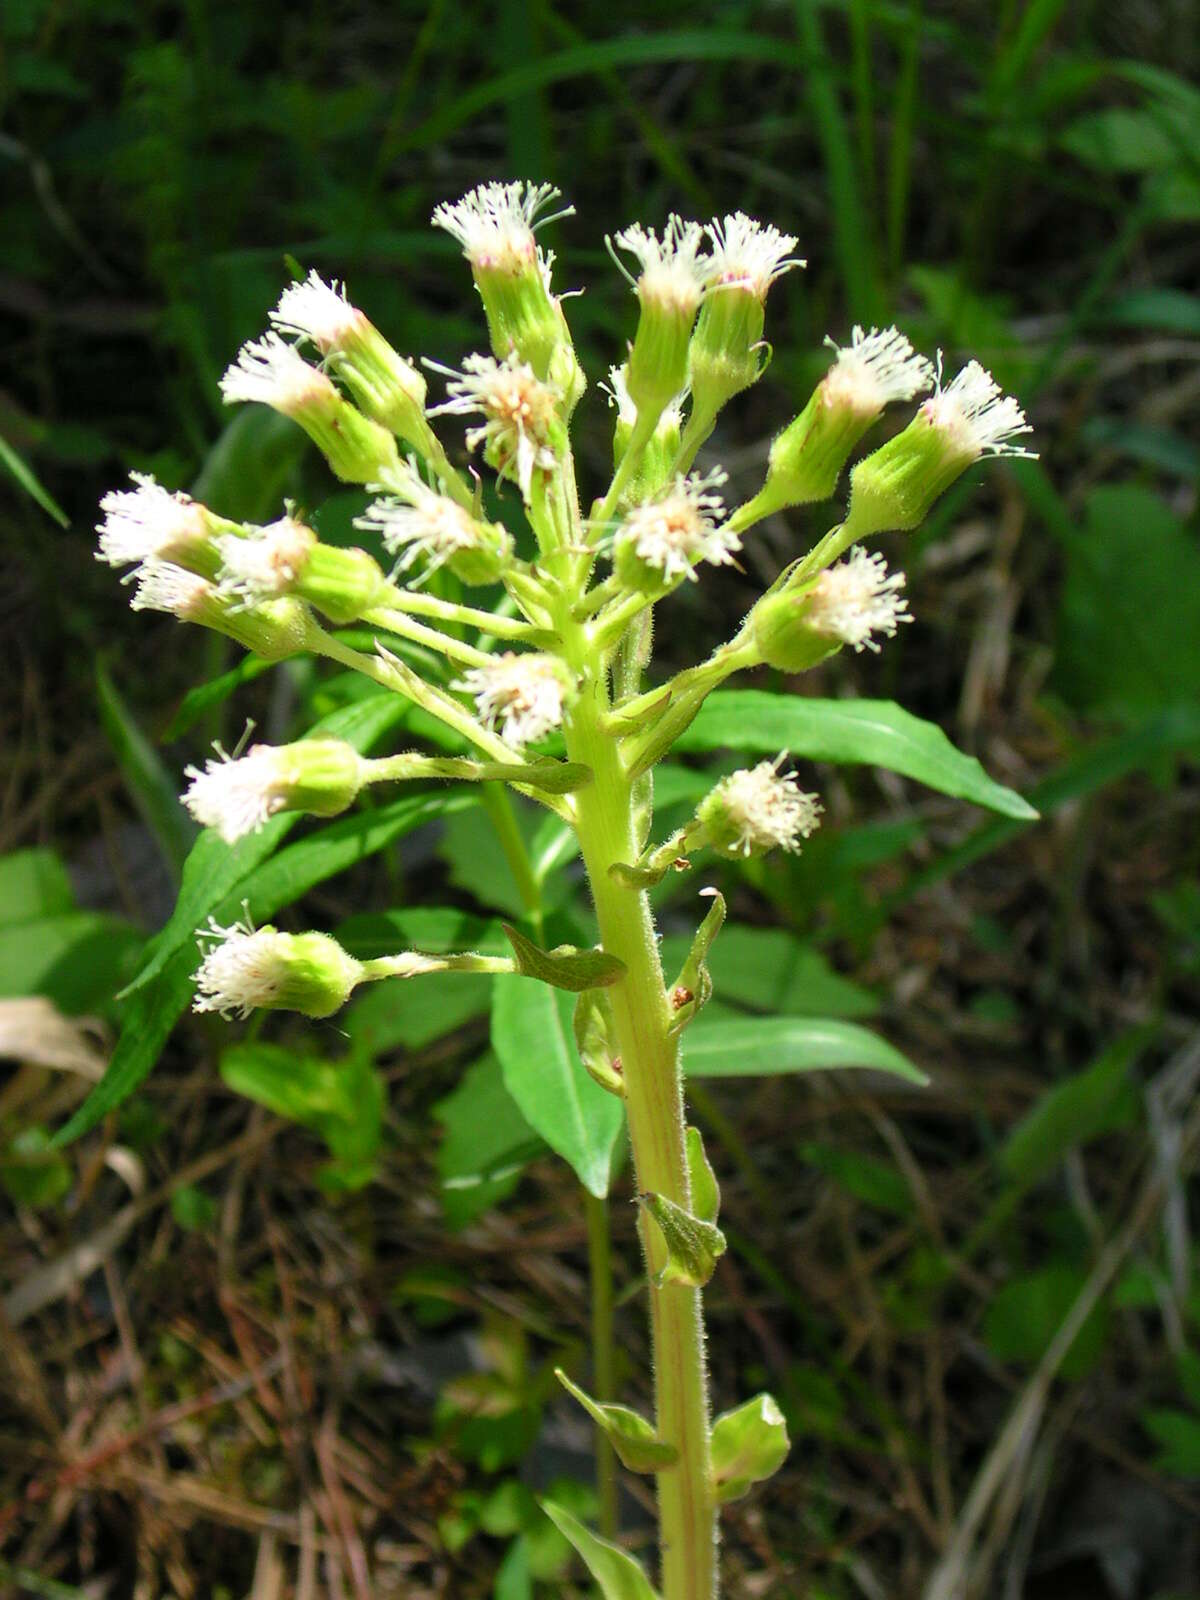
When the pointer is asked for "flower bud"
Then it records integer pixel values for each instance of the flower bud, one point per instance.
(272, 373)
(388, 389)
(321, 777)
(726, 352)
(287, 558)
(496, 224)
(274, 630)
(895, 487)
(664, 540)
(422, 525)
(659, 455)
(755, 810)
(794, 629)
(669, 287)
(807, 458)
(149, 523)
(246, 970)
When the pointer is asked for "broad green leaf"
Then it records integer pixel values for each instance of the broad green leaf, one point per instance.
(769, 969)
(1026, 1313)
(78, 959)
(33, 883)
(436, 930)
(1071, 1112)
(618, 1574)
(153, 789)
(533, 1037)
(872, 732)
(214, 869)
(487, 1143)
(564, 967)
(737, 1048)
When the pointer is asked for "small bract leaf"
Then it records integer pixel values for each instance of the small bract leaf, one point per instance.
(693, 987)
(618, 1574)
(593, 1040)
(706, 1192)
(749, 1443)
(564, 967)
(632, 1437)
(693, 1245)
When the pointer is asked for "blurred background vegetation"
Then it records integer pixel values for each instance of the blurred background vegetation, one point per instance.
(275, 1372)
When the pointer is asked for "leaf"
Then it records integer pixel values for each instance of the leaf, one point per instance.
(637, 1445)
(564, 967)
(533, 1037)
(1071, 1112)
(251, 466)
(769, 969)
(77, 959)
(1025, 1315)
(1178, 1436)
(702, 1180)
(872, 732)
(214, 869)
(693, 988)
(33, 883)
(205, 697)
(749, 1444)
(19, 468)
(592, 1026)
(693, 1246)
(735, 1048)
(435, 930)
(153, 789)
(1170, 310)
(618, 1574)
(487, 1143)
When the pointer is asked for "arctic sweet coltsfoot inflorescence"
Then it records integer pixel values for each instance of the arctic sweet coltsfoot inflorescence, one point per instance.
(559, 652)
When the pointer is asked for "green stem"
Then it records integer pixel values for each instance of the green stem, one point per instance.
(405, 628)
(603, 1365)
(421, 604)
(498, 804)
(643, 432)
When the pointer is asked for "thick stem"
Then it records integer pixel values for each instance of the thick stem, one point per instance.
(654, 1103)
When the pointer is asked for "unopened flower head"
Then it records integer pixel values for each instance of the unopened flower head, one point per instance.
(162, 586)
(148, 522)
(237, 796)
(758, 809)
(273, 373)
(421, 525)
(318, 311)
(523, 695)
(673, 273)
(496, 222)
(856, 599)
(519, 413)
(245, 970)
(874, 369)
(672, 533)
(274, 630)
(265, 565)
(749, 255)
(975, 415)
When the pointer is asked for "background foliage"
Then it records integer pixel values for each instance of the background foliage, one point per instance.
(1018, 182)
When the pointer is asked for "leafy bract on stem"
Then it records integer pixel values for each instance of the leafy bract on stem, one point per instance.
(543, 689)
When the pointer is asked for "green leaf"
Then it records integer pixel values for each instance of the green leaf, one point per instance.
(735, 1048)
(618, 1574)
(533, 1037)
(487, 1143)
(205, 697)
(637, 1445)
(769, 969)
(1170, 310)
(1025, 1315)
(1071, 1112)
(78, 959)
(693, 1246)
(33, 883)
(17, 466)
(873, 732)
(564, 967)
(749, 1444)
(251, 466)
(436, 930)
(153, 789)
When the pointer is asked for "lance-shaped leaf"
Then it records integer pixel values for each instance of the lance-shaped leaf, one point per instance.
(749, 1443)
(564, 967)
(632, 1437)
(618, 1574)
(706, 1191)
(593, 1027)
(693, 1245)
(693, 987)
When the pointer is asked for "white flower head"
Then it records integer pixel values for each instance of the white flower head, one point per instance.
(763, 809)
(518, 409)
(236, 796)
(749, 255)
(240, 969)
(681, 526)
(265, 564)
(318, 311)
(161, 586)
(496, 222)
(147, 522)
(274, 373)
(875, 368)
(673, 272)
(856, 599)
(975, 415)
(522, 694)
(420, 525)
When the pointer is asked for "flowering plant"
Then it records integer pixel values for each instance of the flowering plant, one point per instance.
(550, 696)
